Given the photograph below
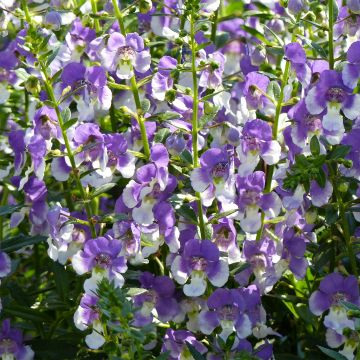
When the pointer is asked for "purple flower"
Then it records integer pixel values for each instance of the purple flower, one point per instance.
(89, 88)
(296, 6)
(211, 75)
(102, 255)
(65, 238)
(305, 125)
(351, 70)
(5, 264)
(175, 342)
(86, 315)
(224, 237)
(162, 81)
(263, 257)
(11, 344)
(89, 134)
(17, 143)
(256, 141)
(37, 150)
(213, 176)
(354, 6)
(254, 88)
(118, 157)
(251, 199)
(158, 298)
(226, 310)
(293, 251)
(46, 123)
(295, 53)
(332, 95)
(123, 54)
(152, 185)
(200, 260)
(79, 38)
(332, 290)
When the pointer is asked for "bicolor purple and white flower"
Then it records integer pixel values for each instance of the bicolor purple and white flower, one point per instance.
(88, 86)
(199, 261)
(175, 342)
(333, 289)
(213, 177)
(252, 199)
(152, 185)
(158, 300)
(257, 142)
(87, 315)
(331, 94)
(12, 343)
(102, 257)
(124, 54)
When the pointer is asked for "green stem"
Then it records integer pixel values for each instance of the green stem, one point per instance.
(345, 224)
(94, 10)
(26, 108)
(4, 198)
(194, 131)
(51, 94)
(214, 26)
(26, 11)
(134, 87)
(331, 36)
(275, 129)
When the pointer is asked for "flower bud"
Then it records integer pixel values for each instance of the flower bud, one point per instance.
(145, 6)
(32, 85)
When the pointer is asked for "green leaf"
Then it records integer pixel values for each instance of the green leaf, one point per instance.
(221, 215)
(26, 313)
(66, 115)
(70, 123)
(145, 105)
(196, 355)
(206, 118)
(339, 152)
(315, 146)
(102, 189)
(186, 156)
(135, 291)
(163, 356)
(9, 209)
(162, 135)
(321, 178)
(61, 280)
(18, 242)
(53, 55)
(332, 353)
(257, 34)
(187, 212)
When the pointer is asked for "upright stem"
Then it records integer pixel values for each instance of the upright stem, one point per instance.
(345, 225)
(94, 10)
(3, 202)
(275, 129)
(331, 35)
(194, 131)
(134, 87)
(214, 26)
(50, 92)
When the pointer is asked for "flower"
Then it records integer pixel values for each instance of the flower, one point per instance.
(11, 344)
(333, 289)
(123, 54)
(102, 257)
(331, 94)
(175, 342)
(200, 260)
